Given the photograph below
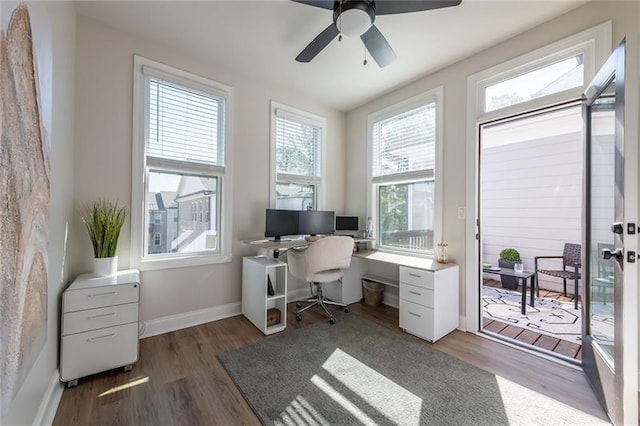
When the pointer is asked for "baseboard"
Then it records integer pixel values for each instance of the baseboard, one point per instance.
(189, 319)
(298, 294)
(50, 401)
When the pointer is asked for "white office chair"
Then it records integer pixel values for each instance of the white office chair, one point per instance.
(324, 260)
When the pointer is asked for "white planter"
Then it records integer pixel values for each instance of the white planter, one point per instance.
(105, 266)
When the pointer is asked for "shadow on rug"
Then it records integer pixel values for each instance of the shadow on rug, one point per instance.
(357, 372)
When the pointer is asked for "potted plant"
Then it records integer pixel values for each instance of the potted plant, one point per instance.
(104, 221)
(508, 258)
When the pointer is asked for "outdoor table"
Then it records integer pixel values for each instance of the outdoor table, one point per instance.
(523, 277)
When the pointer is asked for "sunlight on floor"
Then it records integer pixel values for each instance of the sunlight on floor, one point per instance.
(300, 412)
(133, 382)
(394, 402)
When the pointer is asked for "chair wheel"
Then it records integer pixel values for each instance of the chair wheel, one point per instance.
(298, 317)
(347, 310)
(332, 321)
(298, 305)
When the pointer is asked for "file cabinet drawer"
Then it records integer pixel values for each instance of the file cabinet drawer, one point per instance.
(93, 319)
(414, 294)
(97, 297)
(417, 319)
(417, 277)
(98, 350)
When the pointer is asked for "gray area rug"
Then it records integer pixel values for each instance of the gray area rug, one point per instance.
(358, 372)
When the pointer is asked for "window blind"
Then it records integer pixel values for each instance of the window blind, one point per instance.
(184, 124)
(405, 142)
(297, 147)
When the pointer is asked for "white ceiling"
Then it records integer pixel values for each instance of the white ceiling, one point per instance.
(260, 39)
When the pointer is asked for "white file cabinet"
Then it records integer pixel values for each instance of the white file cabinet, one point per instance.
(429, 301)
(99, 325)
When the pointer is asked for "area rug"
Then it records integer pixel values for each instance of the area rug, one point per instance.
(357, 372)
(549, 316)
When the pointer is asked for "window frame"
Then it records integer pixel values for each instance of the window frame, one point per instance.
(435, 95)
(139, 258)
(318, 182)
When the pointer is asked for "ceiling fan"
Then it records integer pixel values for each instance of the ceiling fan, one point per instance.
(356, 18)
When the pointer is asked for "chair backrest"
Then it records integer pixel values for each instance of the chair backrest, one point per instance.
(325, 254)
(572, 255)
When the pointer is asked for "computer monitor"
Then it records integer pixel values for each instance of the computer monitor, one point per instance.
(280, 223)
(347, 223)
(313, 222)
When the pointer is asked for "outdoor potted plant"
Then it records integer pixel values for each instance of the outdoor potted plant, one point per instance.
(104, 220)
(508, 258)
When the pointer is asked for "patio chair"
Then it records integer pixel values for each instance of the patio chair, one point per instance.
(571, 257)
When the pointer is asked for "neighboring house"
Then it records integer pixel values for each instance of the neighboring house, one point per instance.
(163, 221)
(197, 222)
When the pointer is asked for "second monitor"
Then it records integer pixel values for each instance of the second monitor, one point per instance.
(314, 222)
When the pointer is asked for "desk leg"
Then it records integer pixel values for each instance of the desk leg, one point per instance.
(533, 286)
(524, 297)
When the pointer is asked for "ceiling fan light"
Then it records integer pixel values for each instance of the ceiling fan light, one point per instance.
(354, 22)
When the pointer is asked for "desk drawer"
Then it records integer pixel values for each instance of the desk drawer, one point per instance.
(414, 294)
(417, 319)
(97, 297)
(93, 319)
(417, 277)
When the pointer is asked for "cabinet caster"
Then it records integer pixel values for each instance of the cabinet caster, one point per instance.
(298, 317)
(72, 383)
(298, 305)
(347, 310)
(332, 321)
(128, 368)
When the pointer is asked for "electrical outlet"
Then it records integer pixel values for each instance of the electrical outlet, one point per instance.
(461, 212)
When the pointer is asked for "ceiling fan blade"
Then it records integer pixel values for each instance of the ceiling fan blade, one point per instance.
(389, 7)
(324, 4)
(378, 47)
(318, 43)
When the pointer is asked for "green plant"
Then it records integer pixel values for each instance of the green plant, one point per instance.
(510, 254)
(104, 221)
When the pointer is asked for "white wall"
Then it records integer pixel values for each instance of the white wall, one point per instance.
(454, 79)
(53, 27)
(104, 87)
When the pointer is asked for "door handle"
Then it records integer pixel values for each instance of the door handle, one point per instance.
(616, 254)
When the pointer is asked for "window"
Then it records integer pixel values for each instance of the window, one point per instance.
(181, 160)
(157, 218)
(297, 140)
(404, 142)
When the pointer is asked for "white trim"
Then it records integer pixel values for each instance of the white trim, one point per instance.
(277, 109)
(50, 401)
(435, 95)
(175, 322)
(139, 165)
(596, 43)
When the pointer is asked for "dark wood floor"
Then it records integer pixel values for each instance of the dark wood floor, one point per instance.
(553, 345)
(178, 379)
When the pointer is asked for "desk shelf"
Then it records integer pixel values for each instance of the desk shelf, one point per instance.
(382, 280)
(256, 272)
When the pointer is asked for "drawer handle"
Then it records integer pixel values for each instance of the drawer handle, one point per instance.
(415, 315)
(103, 294)
(112, 314)
(106, 336)
(415, 292)
(415, 275)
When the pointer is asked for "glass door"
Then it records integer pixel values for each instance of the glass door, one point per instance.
(610, 274)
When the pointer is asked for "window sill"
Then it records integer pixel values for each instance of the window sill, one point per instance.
(180, 262)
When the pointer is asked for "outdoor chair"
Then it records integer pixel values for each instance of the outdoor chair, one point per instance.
(571, 258)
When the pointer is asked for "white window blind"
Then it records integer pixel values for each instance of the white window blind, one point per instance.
(405, 142)
(298, 147)
(184, 124)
